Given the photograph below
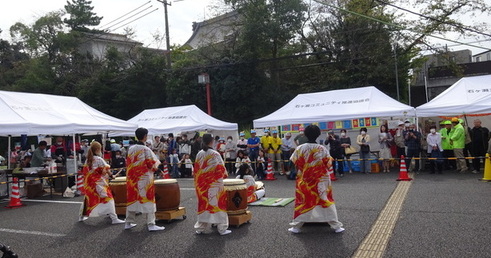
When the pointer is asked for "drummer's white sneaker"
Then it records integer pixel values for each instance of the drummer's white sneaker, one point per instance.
(294, 230)
(339, 230)
(154, 227)
(82, 218)
(226, 232)
(117, 221)
(129, 225)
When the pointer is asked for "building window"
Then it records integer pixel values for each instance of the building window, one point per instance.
(478, 59)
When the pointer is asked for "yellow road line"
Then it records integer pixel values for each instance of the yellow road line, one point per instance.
(376, 241)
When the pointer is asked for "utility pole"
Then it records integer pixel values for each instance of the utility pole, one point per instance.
(396, 72)
(167, 37)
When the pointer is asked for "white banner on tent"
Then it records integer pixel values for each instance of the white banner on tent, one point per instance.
(336, 105)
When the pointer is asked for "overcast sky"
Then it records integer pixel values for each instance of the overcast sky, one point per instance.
(182, 14)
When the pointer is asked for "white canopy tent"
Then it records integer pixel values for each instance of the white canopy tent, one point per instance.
(336, 105)
(178, 119)
(469, 95)
(34, 114)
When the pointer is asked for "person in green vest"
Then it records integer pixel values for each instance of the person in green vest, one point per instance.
(457, 139)
(446, 146)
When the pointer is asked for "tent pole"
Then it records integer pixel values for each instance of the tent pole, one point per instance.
(74, 158)
(9, 152)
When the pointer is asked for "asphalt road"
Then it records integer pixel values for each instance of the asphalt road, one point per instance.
(443, 216)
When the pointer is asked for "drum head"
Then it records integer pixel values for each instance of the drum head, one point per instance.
(165, 181)
(233, 181)
(119, 179)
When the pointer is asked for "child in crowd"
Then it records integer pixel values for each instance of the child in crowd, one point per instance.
(253, 194)
(262, 163)
(241, 159)
(186, 166)
(174, 163)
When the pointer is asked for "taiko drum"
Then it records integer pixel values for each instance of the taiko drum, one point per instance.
(236, 196)
(118, 188)
(167, 194)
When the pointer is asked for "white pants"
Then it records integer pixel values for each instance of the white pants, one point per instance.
(131, 216)
(260, 193)
(206, 227)
(334, 224)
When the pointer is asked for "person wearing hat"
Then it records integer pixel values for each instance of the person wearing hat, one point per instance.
(265, 140)
(253, 145)
(274, 152)
(446, 146)
(480, 137)
(457, 140)
(115, 146)
(242, 142)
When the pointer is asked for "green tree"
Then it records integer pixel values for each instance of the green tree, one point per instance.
(353, 51)
(42, 37)
(11, 58)
(124, 90)
(81, 15)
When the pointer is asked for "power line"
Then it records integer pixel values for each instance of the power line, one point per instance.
(136, 18)
(102, 27)
(397, 26)
(437, 20)
(127, 18)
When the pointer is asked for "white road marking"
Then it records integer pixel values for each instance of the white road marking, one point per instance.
(51, 201)
(26, 232)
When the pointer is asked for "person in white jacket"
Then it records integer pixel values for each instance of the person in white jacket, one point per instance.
(435, 150)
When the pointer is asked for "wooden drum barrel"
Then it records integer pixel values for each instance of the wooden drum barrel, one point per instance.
(167, 194)
(236, 196)
(118, 188)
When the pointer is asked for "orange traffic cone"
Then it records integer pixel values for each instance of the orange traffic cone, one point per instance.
(165, 174)
(403, 176)
(269, 172)
(80, 184)
(15, 196)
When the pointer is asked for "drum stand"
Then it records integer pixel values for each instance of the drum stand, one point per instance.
(237, 220)
(121, 210)
(170, 215)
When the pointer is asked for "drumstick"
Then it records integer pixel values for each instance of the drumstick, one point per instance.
(120, 170)
(279, 200)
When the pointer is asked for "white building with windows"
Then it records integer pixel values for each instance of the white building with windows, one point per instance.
(97, 44)
(484, 56)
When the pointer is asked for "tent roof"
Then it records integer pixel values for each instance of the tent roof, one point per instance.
(336, 105)
(469, 95)
(180, 118)
(32, 113)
